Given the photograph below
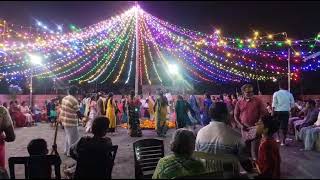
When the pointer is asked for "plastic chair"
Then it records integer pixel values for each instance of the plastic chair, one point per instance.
(227, 163)
(114, 150)
(109, 167)
(36, 167)
(212, 175)
(147, 153)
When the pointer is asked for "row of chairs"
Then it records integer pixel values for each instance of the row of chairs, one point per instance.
(147, 153)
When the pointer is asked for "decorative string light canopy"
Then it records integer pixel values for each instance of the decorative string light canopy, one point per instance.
(110, 50)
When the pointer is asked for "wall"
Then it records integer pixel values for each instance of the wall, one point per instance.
(40, 99)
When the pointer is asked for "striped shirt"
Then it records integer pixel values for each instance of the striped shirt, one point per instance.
(218, 138)
(69, 108)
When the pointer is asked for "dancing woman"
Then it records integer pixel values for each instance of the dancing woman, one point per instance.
(195, 107)
(207, 103)
(161, 111)
(111, 113)
(92, 113)
(133, 105)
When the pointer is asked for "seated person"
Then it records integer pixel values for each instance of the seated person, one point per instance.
(26, 111)
(219, 138)
(38, 147)
(37, 113)
(311, 117)
(296, 119)
(17, 116)
(309, 134)
(93, 153)
(181, 162)
(268, 162)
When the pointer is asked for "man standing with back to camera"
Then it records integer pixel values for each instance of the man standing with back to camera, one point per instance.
(69, 115)
(282, 102)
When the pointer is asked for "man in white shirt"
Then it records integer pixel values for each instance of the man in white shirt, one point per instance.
(219, 138)
(282, 102)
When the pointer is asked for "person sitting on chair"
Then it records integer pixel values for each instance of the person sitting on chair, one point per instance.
(38, 147)
(181, 162)
(93, 154)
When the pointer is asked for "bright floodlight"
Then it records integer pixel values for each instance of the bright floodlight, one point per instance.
(35, 59)
(173, 68)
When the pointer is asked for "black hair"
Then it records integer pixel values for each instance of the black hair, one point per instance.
(312, 102)
(283, 84)
(207, 95)
(270, 123)
(219, 111)
(37, 147)
(100, 126)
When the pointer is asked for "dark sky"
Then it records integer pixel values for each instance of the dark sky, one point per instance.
(299, 19)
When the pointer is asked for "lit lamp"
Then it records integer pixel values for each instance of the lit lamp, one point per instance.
(34, 60)
(173, 69)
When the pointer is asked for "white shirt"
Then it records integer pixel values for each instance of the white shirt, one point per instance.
(317, 123)
(282, 100)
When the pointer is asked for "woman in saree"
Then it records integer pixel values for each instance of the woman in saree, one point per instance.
(195, 107)
(206, 106)
(151, 104)
(17, 116)
(111, 113)
(124, 113)
(161, 111)
(182, 107)
(133, 105)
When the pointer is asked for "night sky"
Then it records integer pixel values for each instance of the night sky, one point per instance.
(298, 19)
(236, 19)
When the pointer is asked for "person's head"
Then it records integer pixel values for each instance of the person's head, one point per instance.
(93, 98)
(5, 104)
(180, 97)
(207, 95)
(141, 96)
(247, 91)
(161, 93)
(123, 96)
(132, 93)
(72, 90)
(16, 102)
(268, 104)
(311, 104)
(283, 84)
(11, 103)
(37, 147)
(23, 103)
(110, 95)
(267, 126)
(100, 126)
(219, 112)
(183, 142)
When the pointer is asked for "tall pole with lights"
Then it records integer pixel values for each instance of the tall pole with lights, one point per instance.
(136, 85)
(289, 70)
(35, 60)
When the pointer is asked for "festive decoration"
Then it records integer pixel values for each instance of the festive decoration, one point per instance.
(105, 52)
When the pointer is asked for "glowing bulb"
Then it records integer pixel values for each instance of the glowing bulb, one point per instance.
(256, 33)
(288, 41)
(249, 40)
(228, 54)
(270, 36)
(217, 31)
(297, 54)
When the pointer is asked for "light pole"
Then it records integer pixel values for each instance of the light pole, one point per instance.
(35, 60)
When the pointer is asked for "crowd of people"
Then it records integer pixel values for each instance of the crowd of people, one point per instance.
(240, 125)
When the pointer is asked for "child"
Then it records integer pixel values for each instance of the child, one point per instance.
(38, 147)
(268, 163)
(91, 153)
